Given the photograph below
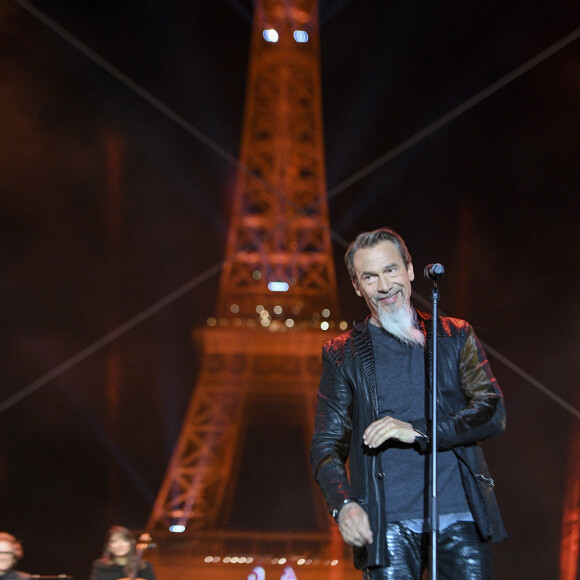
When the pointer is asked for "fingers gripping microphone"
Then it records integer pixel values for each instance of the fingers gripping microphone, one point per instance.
(434, 272)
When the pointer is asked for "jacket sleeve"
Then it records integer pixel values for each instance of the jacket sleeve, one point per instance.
(332, 434)
(483, 413)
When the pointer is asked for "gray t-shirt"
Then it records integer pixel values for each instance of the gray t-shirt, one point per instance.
(403, 394)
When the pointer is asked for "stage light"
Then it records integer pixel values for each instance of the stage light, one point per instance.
(270, 35)
(177, 528)
(300, 36)
(278, 286)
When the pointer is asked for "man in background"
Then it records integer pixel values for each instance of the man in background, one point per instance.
(10, 554)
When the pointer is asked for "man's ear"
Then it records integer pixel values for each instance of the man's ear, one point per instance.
(411, 272)
(355, 286)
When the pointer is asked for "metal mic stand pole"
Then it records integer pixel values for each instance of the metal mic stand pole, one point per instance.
(433, 508)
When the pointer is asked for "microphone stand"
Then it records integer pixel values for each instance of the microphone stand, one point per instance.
(433, 507)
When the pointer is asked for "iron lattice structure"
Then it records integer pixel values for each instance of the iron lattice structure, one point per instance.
(279, 228)
(279, 232)
(240, 367)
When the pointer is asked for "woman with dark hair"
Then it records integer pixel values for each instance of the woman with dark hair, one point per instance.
(122, 558)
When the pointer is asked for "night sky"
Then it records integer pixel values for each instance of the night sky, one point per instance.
(491, 192)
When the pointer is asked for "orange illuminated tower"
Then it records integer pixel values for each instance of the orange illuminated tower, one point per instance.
(238, 486)
(570, 544)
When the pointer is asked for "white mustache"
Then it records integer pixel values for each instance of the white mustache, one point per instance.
(388, 295)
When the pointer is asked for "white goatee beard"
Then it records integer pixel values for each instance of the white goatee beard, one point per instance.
(402, 324)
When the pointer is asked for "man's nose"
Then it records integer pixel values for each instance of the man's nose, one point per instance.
(384, 283)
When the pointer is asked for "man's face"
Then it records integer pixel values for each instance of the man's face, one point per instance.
(382, 279)
(7, 558)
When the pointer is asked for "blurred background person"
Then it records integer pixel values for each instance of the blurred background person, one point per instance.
(257, 573)
(10, 554)
(122, 558)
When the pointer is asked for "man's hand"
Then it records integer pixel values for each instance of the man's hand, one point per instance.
(388, 428)
(353, 523)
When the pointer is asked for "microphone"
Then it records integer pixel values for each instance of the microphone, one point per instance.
(434, 272)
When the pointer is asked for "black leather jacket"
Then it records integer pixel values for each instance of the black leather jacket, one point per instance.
(470, 409)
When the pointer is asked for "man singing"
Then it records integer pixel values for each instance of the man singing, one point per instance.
(373, 407)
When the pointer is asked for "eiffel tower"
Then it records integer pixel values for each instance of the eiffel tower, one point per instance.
(238, 488)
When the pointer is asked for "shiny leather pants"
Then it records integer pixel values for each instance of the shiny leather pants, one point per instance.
(461, 554)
